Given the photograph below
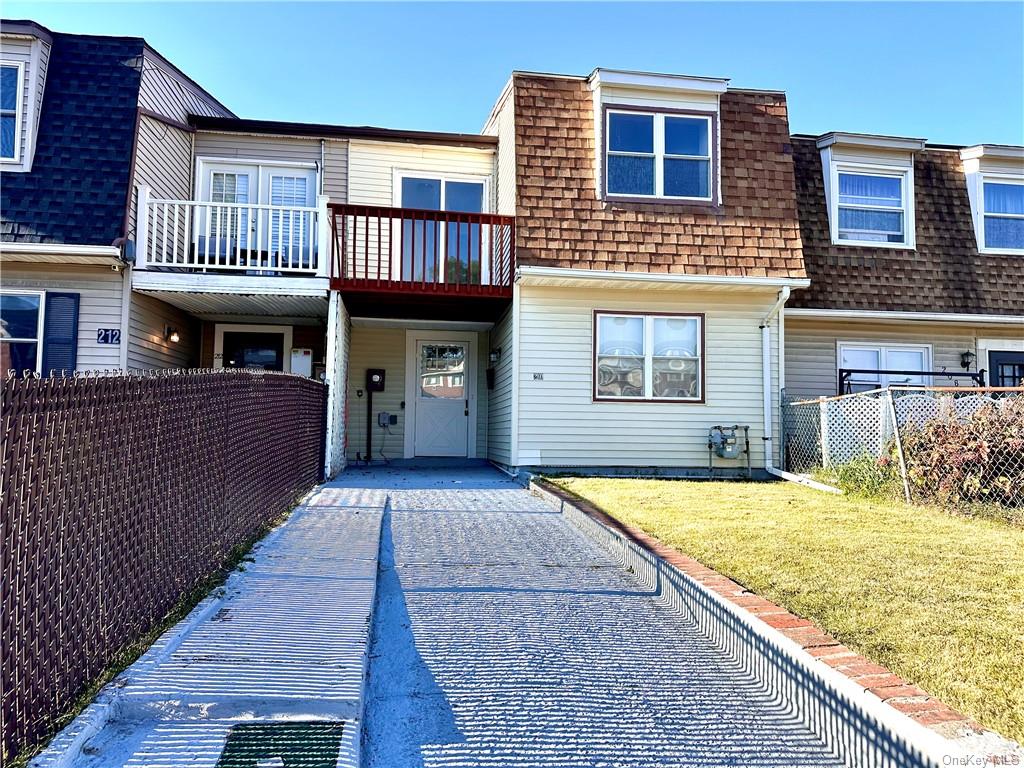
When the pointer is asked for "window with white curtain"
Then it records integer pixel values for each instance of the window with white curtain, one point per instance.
(652, 154)
(872, 207)
(1003, 224)
(648, 357)
(289, 229)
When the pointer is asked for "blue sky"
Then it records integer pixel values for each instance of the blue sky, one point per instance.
(948, 72)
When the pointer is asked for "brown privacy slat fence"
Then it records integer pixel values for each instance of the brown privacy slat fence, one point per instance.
(121, 493)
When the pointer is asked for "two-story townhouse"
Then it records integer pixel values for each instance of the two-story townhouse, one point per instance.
(916, 258)
(656, 241)
(85, 120)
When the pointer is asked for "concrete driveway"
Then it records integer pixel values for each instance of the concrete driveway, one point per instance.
(504, 637)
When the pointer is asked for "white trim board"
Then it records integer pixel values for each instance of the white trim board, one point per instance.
(941, 317)
(536, 275)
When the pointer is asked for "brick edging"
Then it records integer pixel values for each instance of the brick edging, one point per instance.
(890, 688)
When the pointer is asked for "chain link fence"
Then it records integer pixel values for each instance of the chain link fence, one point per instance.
(120, 494)
(960, 448)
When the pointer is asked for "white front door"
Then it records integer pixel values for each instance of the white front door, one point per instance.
(442, 395)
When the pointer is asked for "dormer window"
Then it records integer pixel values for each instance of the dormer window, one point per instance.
(872, 207)
(869, 188)
(10, 111)
(1003, 204)
(659, 155)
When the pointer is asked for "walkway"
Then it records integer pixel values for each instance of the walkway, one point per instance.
(503, 637)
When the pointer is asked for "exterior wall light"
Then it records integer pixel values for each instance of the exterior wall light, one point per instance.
(495, 355)
(967, 359)
(171, 334)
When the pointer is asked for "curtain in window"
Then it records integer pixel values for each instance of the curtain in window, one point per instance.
(289, 229)
(1004, 198)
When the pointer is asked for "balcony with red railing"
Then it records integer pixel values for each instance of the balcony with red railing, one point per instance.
(381, 250)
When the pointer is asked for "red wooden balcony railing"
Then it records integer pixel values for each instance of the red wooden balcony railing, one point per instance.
(375, 248)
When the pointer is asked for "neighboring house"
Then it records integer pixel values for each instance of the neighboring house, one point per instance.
(594, 281)
(85, 119)
(916, 259)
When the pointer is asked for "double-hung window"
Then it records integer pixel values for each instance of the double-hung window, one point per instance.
(648, 357)
(1003, 211)
(10, 111)
(873, 207)
(658, 155)
(21, 331)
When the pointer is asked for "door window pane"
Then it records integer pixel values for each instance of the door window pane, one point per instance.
(289, 229)
(442, 371)
(463, 240)
(904, 360)
(630, 175)
(19, 316)
(686, 136)
(229, 224)
(424, 194)
(687, 178)
(630, 133)
(254, 350)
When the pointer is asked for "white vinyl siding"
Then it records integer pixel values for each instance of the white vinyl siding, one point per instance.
(503, 125)
(100, 291)
(811, 348)
(163, 162)
(561, 425)
(499, 403)
(147, 347)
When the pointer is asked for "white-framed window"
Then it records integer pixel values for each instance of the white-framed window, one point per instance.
(872, 205)
(1002, 206)
(659, 155)
(21, 330)
(868, 361)
(11, 85)
(648, 357)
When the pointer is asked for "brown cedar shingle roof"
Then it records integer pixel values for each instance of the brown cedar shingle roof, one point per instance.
(561, 223)
(945, 273)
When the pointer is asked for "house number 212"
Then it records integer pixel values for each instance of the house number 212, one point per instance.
(108, 335)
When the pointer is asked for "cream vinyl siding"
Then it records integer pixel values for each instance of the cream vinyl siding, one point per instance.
(147, 347)
(385, 348)
(100, 298)
(499, 403)
(372, 164)
(376, 348)
(163, 162)
(561, 425)
(167, 92)
(232, 146)
(503, 126)
(811, 367)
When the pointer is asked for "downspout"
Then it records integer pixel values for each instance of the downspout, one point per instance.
(766, 389)
(766, 377)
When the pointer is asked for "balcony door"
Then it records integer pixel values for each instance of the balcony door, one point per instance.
(256, 208)
(441, 252)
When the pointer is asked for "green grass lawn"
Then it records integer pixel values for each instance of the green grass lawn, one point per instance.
(938, 599)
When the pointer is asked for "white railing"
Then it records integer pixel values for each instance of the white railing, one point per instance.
(195, 236)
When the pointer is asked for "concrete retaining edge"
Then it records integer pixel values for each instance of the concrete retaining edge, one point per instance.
(857, 726)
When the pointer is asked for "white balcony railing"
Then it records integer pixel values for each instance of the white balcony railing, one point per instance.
(250, 238)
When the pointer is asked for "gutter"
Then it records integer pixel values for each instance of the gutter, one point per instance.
(937, 317)
(566, 273)
(101, 253)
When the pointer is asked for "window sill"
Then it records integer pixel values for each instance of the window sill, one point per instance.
(1001, 251)
(876, 244)
(695, 202)
(662, 400)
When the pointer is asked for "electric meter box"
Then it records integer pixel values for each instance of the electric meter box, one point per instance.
(302, 361)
